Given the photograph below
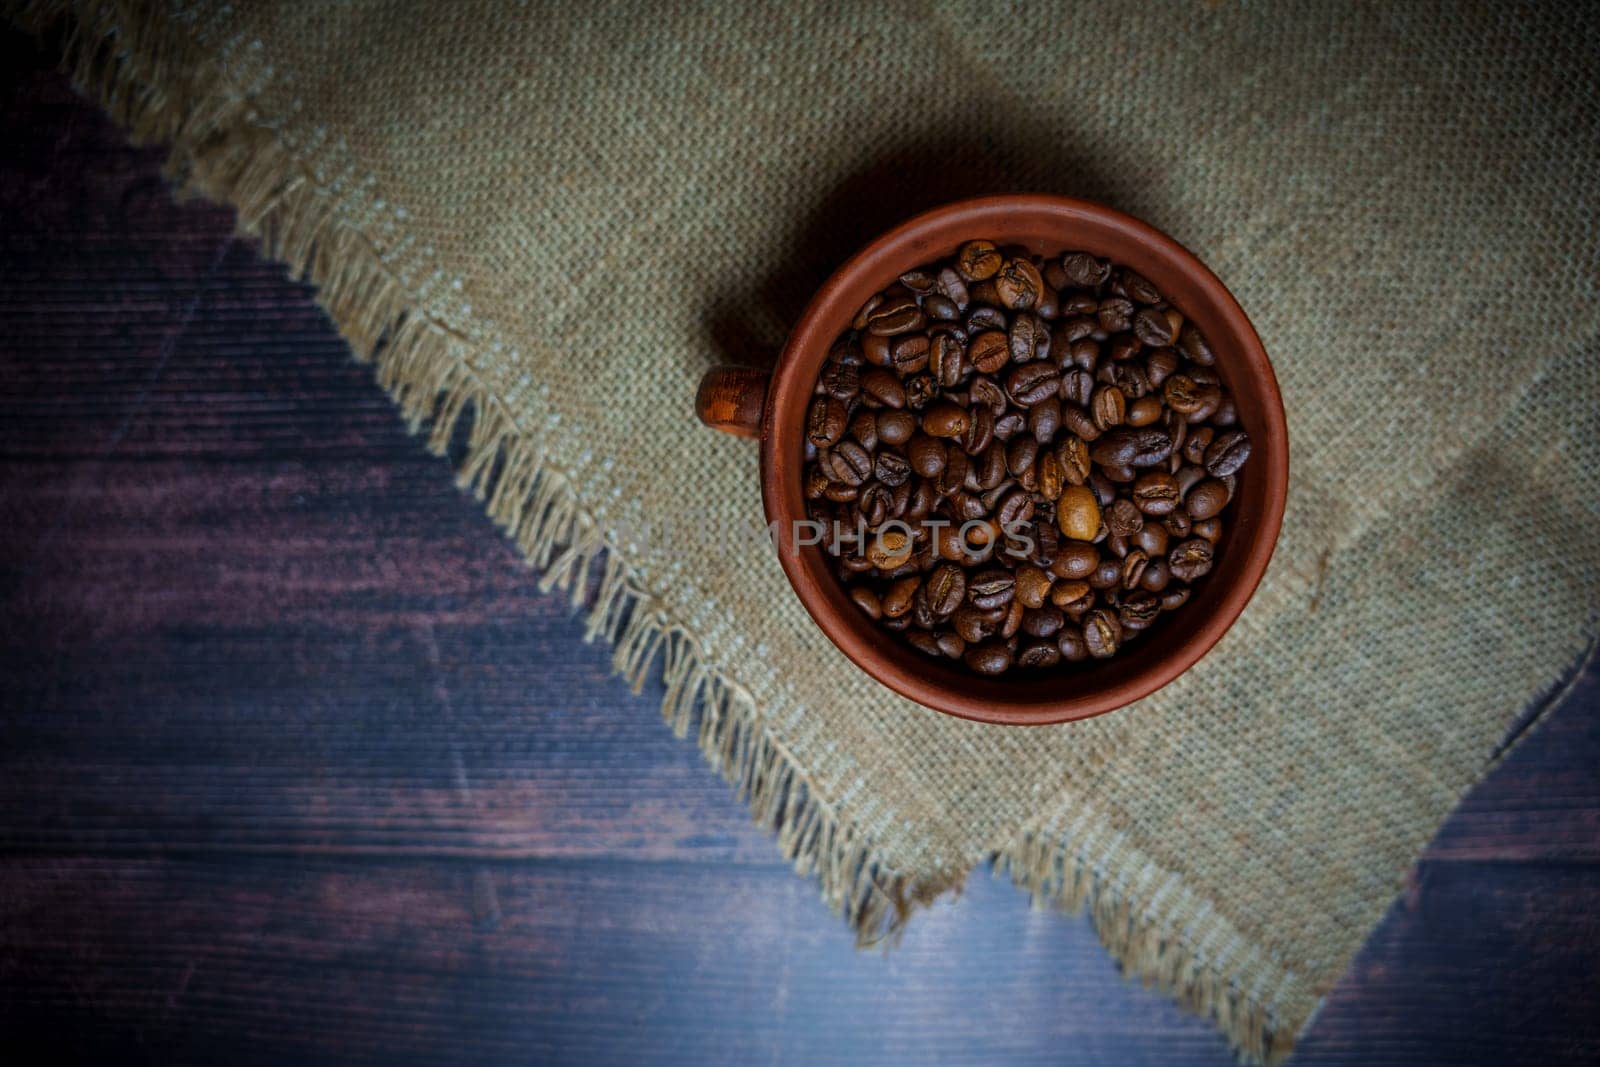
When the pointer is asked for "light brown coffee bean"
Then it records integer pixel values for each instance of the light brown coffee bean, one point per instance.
(1033, 585)
(1018, 284)
(1078, 513)
(977, 260)
(897, 601)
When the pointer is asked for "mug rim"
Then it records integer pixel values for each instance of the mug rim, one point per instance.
(878, 262)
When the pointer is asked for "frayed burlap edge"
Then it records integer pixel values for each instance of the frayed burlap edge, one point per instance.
(162, 88)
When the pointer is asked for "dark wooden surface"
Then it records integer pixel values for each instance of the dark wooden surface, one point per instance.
(297, 765)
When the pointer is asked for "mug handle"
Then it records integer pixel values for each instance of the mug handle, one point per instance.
(731, 399)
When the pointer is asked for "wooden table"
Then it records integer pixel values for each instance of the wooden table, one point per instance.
(296, 764)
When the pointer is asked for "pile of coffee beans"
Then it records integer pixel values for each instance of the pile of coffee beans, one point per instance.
(1019, 461)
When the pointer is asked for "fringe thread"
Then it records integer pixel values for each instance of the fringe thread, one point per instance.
(161, 87)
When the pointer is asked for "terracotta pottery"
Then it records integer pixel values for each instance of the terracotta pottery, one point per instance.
(773, 409)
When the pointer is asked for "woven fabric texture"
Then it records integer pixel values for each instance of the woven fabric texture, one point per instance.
(547, 220)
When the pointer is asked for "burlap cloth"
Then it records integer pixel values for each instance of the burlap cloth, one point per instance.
(546, 220)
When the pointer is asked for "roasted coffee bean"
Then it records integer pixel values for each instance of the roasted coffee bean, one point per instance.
(1210, 529)
(875, 349)
(864, 428)
(1030, 383)
(1227, 454)
(1077, 421)
(1108, 407)
(841, 380)
(1021, 455)
(1128, 447)
(988, 468)
(908, 354)
(896, 427)
(1194, 447)
(1120, 475)
(1075, 559)
(825, 422)
(957, 466)
(950, 644)
(918, 281)
(924, 642)
(841, 492)
(867, 601)
(1104, 491)
(1015, 510)
(1032, 585)
(944, 419)
(1135, 287)
(897, 314)
(977, 260)
(986, 317)
(1156, 494)
(1157, 575)
(1025, 337)
(891, 469)
(947, 588)
(926, 455)
(920, 389)
(1038, 654)
(1182, 394)
(1048, 482)
(991, 588)
(1193, 344)
(816, 482)
(941, 308)
(1206, 499)
(897, 601)
(1123, 518)
(873, 503)
(1178, 524)
(1138, 610)
(952, 287)
(1077, 387)
(946, 358)
(1191, 559)
(1074, 598)
(1107, 575)
(1144, 412)
(1045, 621)
(1012, 624)
(1071, 645)
(1175, 598)
(988, 351)
(990, 657)
(1072, 455)
(1115, 314)
(1009, 425)
(1085, 270)
(1133, 566)
(1078, 513)
(1102, 633)
(850, 463)
(1157, 327)
(1044, 419)
(979, 433)
(1160, 365)
(1019, 284)
(1153, 538)
(883, 387)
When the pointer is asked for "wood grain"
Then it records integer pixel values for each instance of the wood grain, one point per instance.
(297, 764)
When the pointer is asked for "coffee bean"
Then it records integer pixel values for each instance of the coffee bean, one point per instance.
(947, 588)
(951, 286)
(841, 380)
(860, 321)
(1115, 314)
(946, 358)
(926, 455)
(1102, 633)
(867, 601)
(1206, 499)
(920, 389)
(895, 427)
(875, 349)
(1123, 518)
(991, 588)
(1019, 284)
(1078, 513)
(897, 601)
(825, 422)
(891, 469)
(1194, 447)
(1085, 270)
(1075, 559)
(989, 351)
(850, 463)
(1021, 455)
(1127, 447)
(1015, 510)
(1193, 344)
(924, 642)
(1175, 598)
(1182, 394)
(979, 432)
(1030, 383)
(1133, 567)
(1077, 387)
(1074, 598)
(988, 468)
(1071, 644)
(1210, 529)
(1144, 412)
(1043, 622)
(990, 657)
(1227, 414)
(1160, 365)
(944, 419)
(883, 387)
(908, 353)
(953, 477)
(897, 314)
(1044, 419)
(1032, 585)
(1156, 327)
(1178, 524)
(1152, 537)
(1227, 454)
(1137, 611)
(1191, 559)
(986, 317)
(1108, 407)
(950, 644)
(1038, 654)
(1009, 425)
(1156, 494)
(1047, 476)
(1135, 287)
(1107, 575)
(978, 260)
